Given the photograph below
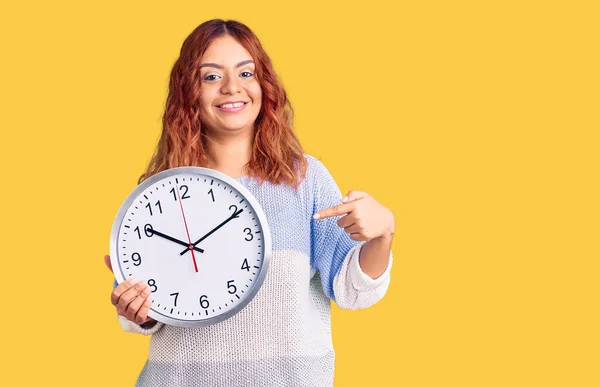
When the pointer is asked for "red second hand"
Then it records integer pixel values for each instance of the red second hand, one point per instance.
(186, 229)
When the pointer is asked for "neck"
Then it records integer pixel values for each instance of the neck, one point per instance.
(229, 154)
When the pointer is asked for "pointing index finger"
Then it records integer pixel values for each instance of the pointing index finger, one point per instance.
(333, 211)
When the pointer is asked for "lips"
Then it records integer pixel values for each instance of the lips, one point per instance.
(232, 104)
(232, 107)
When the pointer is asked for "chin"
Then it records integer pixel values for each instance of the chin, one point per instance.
(234, 128)
(236, 125)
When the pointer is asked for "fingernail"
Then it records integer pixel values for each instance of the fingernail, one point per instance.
(131, 281)
(147, 290)
(344, 199)
(316, 216)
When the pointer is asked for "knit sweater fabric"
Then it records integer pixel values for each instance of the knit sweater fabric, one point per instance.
(283, 336)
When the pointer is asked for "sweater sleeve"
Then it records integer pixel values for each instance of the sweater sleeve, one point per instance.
(335, 255)
(356, 290)
(132, 327)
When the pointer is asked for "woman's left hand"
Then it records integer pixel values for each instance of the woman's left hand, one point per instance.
(366, 219)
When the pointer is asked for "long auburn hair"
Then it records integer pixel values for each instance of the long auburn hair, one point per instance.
(277, 155)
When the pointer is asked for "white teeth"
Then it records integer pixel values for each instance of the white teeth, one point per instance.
(232, 105)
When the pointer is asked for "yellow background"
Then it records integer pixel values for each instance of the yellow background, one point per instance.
(475, 122)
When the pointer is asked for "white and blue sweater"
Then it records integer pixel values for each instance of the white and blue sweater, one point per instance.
(283, 336)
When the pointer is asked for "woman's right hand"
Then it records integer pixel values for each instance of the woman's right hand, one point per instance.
(132, 299)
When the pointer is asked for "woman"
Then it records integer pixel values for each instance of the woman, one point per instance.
(227, 111)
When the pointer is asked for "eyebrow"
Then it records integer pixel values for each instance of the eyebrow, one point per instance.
(244, 62)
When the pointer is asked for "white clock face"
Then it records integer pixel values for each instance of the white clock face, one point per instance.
(200, 208)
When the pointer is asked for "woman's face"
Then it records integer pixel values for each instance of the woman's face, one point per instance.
(230, 95)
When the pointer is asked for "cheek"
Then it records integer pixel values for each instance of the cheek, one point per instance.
(256, 103)
(254, 91)
(259, 93)
(205, 100)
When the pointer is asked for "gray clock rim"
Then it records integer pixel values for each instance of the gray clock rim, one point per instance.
(200, 171)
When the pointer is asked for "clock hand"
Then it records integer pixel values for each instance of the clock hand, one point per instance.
(160, 234)
(234, 215)
(186, 229)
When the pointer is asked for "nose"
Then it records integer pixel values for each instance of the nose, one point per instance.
(231, 85)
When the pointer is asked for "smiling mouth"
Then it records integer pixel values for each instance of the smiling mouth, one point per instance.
(232, 105)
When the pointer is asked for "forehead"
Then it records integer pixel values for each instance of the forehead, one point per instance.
(225, 50)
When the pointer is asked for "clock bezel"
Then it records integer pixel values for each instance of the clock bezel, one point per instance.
(201, 172)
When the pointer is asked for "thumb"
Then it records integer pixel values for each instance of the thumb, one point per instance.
(354, 195)
(107, 261)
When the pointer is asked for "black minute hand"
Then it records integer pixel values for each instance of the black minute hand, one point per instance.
(160, 234)
(234, 215)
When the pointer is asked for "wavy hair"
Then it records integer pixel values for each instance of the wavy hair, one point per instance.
(277, 155)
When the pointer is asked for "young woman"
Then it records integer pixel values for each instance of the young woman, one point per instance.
(226, 110)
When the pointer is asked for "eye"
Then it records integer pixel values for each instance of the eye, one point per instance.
(209, 77)
(249, 74)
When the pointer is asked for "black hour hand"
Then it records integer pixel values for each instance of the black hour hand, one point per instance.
(150, 230)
